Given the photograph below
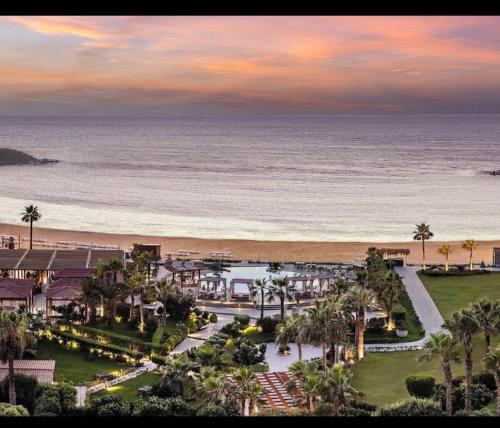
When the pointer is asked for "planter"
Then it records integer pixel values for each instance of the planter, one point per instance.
(401, 333)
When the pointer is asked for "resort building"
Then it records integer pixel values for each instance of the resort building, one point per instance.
(42, 264)
(42, 370)
(396, 256)
(16, 292)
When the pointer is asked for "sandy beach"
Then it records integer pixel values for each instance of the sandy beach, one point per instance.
(343, 252)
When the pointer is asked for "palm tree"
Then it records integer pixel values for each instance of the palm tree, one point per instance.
(111, 295)
(290, 331)
(137, 284)
(487, 314)
(388, 295)
(445, 250)
(282, 290)
(492, 363)
(337, 387)
(31, 215)
(165, 290)
(326, 323)
(444, 346)
(248, 390)
(463, 325)
(311, 389)
(213, 386)
(470, 246)
(359, 297)
(13, 340)
(91, 297)
(422, 233)
(260, 287)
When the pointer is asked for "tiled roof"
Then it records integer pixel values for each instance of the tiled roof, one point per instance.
(276, 395)
(67, 282)
(43, 370)
(63, 293)
(73, 273)
(15, 288)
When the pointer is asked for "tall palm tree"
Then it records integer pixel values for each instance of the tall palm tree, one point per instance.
(136, 284)
(359, 297)
(111, 295)
(248, 390)
(283, 291)
(445, 250)
(30, 215)
(91, 297)
(446, 348)
(164, 291)
(463, 325)
(260, 288)
(470, 246)
(388, 295)
(213, 386)
(326, 324)
(337, 387)
(487, 314)
(492, 363)
(13, 340)
(422, 233)
(290, 331)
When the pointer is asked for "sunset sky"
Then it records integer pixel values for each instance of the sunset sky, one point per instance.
(151, 66)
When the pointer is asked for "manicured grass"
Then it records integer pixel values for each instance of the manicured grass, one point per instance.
(74, 366)
(123, 329)
(128, 390)
(451, 293)
(381, 376)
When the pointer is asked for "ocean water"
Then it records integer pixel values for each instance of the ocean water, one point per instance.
(316, 177)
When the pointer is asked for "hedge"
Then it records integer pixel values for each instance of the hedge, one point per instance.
(95, 343)
(118, 339)
(453, 272)
(420, 385)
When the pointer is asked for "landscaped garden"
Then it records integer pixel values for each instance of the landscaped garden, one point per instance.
(128, 389)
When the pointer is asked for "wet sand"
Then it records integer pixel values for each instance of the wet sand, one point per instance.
(341, 252)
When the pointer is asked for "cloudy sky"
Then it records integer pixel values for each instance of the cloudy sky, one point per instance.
(153, 66)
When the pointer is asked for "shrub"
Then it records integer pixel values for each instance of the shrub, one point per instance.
(227, 409)
(231, 329)
(9, 410)
(25, 390)
(412, 407)
(268, 325)
(192, 326)
(480, 396)
(155, 406)
(480, 412)
(160, 335)
(123, 311)
(376, 326)
(110, 405)
(399, 313)
(133, 323)
(64, 393)
(354, 412)
(362, 405)
(150, 326)
(213, 318)
(324, 409)
(242, 319)
(420, 385)
(487, 379)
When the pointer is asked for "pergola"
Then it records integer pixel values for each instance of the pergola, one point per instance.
(185, 274)
(237, 296)
(208, 285)
(395, 254)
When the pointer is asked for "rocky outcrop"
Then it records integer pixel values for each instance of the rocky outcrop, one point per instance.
(15, 157)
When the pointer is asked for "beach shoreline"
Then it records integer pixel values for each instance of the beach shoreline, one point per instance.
(242, 249)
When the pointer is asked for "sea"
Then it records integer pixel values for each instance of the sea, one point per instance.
(324, 177)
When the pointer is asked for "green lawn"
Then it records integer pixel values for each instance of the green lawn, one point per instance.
(128, 389)
(381, 376)
(74, 366)
(123, 329)
(455, 292)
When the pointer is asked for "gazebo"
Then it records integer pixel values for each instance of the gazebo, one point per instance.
(239, 296)
(208, 285)
(306, 285)
(323, 279)
(15, 292)
(63, 291)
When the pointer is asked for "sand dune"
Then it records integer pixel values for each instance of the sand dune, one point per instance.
(259, 250)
